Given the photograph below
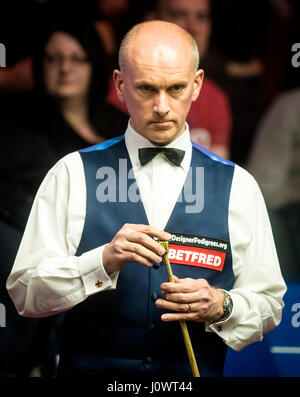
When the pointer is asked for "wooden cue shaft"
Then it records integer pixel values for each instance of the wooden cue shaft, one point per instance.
(183, 326)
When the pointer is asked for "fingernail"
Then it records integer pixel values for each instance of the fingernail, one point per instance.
(162, 250)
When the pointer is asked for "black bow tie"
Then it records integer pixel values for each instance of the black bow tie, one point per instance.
(175, 156)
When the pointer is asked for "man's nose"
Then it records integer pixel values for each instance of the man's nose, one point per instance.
(161, 104)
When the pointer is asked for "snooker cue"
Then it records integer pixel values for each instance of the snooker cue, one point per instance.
(183, 326)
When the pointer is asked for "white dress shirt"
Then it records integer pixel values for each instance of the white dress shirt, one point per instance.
(48, 278)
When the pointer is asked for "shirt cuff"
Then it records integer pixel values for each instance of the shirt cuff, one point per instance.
(224, 328)
(93, 273)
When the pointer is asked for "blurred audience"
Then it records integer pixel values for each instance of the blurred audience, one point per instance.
(113, 19)
(275, 163)
(111, 26)
(248, 57)
(28, 347)
(16, 78)
(234, 63)
(67, 103)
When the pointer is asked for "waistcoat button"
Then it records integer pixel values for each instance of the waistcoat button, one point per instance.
(154, 296)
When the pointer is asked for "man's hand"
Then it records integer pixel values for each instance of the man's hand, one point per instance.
(134, 243)
(191, 299)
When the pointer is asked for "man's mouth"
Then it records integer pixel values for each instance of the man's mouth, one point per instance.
(162, 122)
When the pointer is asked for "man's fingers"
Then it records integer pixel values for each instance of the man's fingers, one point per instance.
(183, 285)
(142, 234)
(145, 241)
(181, 311)
(134, 243)
(141, 250)
(151, 231)
(140, 259)
(175, 306)
(179, 316)
(190, 299)
(182, 297)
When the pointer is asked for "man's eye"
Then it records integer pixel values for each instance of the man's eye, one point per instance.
(176, 88)
(146, 88)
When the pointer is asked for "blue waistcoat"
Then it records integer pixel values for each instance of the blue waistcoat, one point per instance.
(120, 331)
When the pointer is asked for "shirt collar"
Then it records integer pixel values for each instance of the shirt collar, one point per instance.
(135, 141)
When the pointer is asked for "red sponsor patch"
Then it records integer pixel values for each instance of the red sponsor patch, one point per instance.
(196, 256)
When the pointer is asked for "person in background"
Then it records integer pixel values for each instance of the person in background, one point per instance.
(251, 45)
(67, 104)
(275, 163)
(28, 346)
(110, 25)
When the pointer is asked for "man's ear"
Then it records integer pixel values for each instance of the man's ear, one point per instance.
(197, 84)
(119, 84)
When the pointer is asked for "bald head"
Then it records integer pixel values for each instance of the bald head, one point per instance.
(158, 79)
(157, 36)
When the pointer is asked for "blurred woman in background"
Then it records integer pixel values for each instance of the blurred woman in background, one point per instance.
(67, 104)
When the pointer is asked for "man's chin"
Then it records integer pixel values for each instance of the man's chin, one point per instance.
(162, 137)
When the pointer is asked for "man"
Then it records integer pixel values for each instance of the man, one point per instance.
(210, 118)
(89, 248)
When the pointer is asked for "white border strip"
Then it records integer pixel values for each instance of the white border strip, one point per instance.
(285, 349)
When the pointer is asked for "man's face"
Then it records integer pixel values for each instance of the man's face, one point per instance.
(191, 15)
(158, 87)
